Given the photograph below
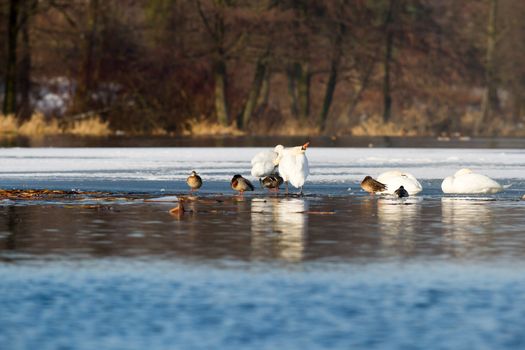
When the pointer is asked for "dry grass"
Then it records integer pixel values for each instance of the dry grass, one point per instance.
(93, 126)
(374, 126)
(468, 120)
(8, 124)
(494, 127)
(294, 128)
(205, 127)
(38, 125)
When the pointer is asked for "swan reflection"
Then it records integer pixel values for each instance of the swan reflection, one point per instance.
(397, 220)
(278, 227)
(466, 220)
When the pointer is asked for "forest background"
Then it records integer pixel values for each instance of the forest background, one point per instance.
(263, 67)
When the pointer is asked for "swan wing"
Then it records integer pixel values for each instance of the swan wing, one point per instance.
(296, 169)
(263, 163)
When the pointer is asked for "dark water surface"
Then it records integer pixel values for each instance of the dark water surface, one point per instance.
(334, 269)
(261, 141)
(343, 228)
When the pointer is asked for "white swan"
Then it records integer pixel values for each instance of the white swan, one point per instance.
(395, 178)
(293, 165)
(465, 181)
(265, 162)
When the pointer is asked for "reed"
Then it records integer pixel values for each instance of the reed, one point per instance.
(205, 127)
(8, 124)
(374, 126)
(38, 125)
(93, 126)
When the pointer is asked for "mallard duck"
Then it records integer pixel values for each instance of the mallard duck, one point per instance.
(194, 181)
(372, 186)
(272, 181)
(401, 192)
(241, 184)
(179, 209)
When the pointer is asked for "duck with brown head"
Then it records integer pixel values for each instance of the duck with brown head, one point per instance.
(239, 183)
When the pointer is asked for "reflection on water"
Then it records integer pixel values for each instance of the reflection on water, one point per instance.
(397, 221)
(278, 227)
(467, 222)
(267, 228)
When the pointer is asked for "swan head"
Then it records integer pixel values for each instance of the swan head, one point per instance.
(463, 172)
(300, 149)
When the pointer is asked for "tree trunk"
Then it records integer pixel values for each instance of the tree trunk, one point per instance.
(11, 69)
(490, 102)
(264, 95)
(292, 89)
(25, 62)
(221, 104)
(359, 88)
(303, 90)
(389, 44)
(251, 103)
(328, 96)
(517, 103)
(332, 79)
(88, 72)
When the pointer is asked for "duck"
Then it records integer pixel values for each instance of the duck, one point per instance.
(272, 182)
(241, 184)
(401, 192)
(466, 181)
(194, 181)
(179, 209)
(372, 186)
(265, 163)
(293, 166)
(393, 179)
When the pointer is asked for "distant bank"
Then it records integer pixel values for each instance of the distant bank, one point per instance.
(259, 141)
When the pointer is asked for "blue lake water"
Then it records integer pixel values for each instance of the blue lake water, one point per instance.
(334, 269)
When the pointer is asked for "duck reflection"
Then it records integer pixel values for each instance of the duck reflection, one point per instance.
(397, 220)
(278, 228)
(466, 221)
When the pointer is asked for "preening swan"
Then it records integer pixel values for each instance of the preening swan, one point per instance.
(293, 166)
(264, 163)
(394, 179)
(465, 181)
